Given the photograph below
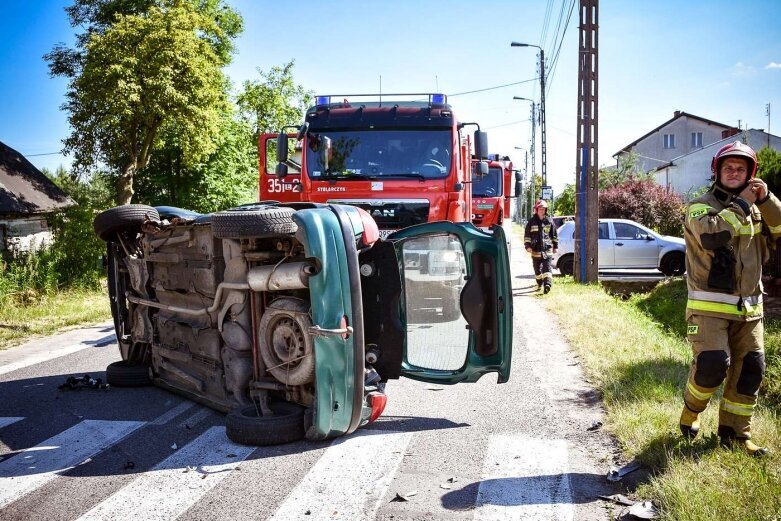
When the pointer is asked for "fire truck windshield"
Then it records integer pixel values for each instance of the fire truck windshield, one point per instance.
(372, 154)
(489, 185)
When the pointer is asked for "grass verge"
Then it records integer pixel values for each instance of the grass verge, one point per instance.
(636, 353)
(46, 314)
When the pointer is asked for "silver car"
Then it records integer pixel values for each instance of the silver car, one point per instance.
(625, 244)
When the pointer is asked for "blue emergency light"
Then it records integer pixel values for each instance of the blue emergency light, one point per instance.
(323, 100)
(437, 99)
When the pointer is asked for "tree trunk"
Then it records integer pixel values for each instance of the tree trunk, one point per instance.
(125, 184)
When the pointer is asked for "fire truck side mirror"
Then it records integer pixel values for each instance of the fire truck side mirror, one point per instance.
(518, 177)
(481, 144)
(518, 189)
(482, 168)
(281, 170)
(281, 148)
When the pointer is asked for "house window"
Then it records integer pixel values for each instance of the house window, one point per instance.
(669, 141)
(696, 139)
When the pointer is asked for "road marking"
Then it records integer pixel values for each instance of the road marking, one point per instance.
(173, 413)
(195, 419)
(33, 467)
(524, 479)
(349, 479)
(176, 483)
(8, 420)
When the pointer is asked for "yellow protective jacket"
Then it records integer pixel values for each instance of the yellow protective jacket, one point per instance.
(726, 244)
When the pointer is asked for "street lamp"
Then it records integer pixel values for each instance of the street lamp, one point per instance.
(542, 104)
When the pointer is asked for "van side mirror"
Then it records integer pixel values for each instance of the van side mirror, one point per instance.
(481, 144)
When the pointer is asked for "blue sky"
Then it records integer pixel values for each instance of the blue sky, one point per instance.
(717, 59)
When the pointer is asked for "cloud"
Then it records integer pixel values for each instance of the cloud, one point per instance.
(741, 69)
(773, 65)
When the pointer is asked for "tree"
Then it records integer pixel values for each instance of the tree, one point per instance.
(273, 102)
(770, 168)
(154, 68)
(627, 169)
(565, 202)
(646, 202)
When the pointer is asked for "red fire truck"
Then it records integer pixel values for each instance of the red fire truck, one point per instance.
(405, 162)
(491, 193)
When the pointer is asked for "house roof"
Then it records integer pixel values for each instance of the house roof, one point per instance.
(676, 115)
(24, 189)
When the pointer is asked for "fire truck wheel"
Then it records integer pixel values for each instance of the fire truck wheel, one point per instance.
(248, 426)
(125, 374)
(285, 343)
(125, 218)
(253, 223)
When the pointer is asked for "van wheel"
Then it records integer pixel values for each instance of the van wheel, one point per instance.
(567, 264)
(125, 218)
(285, 343)
(673, 264)
(249, 222)
(125, 374)
(248, 426)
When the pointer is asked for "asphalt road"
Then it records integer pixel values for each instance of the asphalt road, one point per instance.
(520, 450)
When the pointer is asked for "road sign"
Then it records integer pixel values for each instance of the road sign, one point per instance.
(547, 193)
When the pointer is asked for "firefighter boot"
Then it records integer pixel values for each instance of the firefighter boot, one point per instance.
(546, 287)
(729, 441)
(689, 423)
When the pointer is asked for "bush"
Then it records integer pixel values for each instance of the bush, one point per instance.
(644, 201)
(28, 277)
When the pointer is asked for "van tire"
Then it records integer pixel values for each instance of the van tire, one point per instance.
(253, 223)
(125, 218)
(125, 374)
(247, 426)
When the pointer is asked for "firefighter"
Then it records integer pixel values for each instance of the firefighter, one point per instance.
(725, 250)
(541, 241)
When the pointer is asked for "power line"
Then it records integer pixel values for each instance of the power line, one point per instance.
(491, 88)
(555, 61)
(508, 124)
(46, 154)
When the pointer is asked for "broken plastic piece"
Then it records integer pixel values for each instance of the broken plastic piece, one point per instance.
(616, 474)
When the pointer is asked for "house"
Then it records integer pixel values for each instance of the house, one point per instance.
(690, 173)
(27, 198)
(682, 134)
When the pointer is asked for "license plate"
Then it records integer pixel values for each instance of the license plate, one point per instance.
(385, 233)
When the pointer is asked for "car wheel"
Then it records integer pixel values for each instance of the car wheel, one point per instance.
(125, 218)
(673, 264)
(256, 222)
(567, 264)
(125, 374)
(285, 343)
(248, 426)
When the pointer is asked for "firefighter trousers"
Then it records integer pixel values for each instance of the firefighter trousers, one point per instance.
(729, 351)
(542, 269)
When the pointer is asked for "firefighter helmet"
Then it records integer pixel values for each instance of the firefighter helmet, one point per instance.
(540, 204)
(736, 149)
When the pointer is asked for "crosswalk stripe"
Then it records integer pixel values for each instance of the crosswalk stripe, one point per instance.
(8, 420)
(33, 467)
(524, 479)
(173, 413)
(349, 479)
(176, 483)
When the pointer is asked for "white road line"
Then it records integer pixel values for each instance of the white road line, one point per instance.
(195, 419)
(173, 413)
(33, 467)
(8, 420)
(176, 483)
(524, 479)
(349, 480)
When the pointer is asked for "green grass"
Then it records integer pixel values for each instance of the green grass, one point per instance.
(636, 354)
(45, 314)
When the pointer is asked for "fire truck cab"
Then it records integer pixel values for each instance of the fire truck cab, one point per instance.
(491, 192)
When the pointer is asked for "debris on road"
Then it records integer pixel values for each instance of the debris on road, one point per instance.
(616, 474)
(640, 510)
(434, 388)
(595, 426)
(129, 465)
(174, 446)
(619, 498)
(404, 497)
(83, 382)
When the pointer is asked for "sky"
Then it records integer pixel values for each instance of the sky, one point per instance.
(720, 60)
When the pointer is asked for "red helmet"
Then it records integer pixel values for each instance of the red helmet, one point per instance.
(736, 149)
(540, 204)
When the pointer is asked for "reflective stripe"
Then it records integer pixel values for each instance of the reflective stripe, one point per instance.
(750, 230)
(775, 229)
(711, 296)
(729, 309)
(741, 409)
(731, 218)
(697, 394)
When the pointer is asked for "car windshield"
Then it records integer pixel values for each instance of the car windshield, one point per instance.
(373, 154)
(489, 185)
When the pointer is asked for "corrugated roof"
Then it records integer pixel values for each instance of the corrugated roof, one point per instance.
(24, 189)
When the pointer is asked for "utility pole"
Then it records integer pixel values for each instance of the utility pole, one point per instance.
(586, 267)
(767, 112)
(542, 107)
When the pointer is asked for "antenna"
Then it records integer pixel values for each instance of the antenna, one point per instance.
(380, 89)
(436, 81)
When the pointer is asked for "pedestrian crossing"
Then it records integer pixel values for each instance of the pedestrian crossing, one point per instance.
(351, 479)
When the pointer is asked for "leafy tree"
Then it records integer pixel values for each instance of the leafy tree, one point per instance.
(627, 169)
(274, 101)
(153, 68)
(770, 168)
(565, 202)
(646, 202)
